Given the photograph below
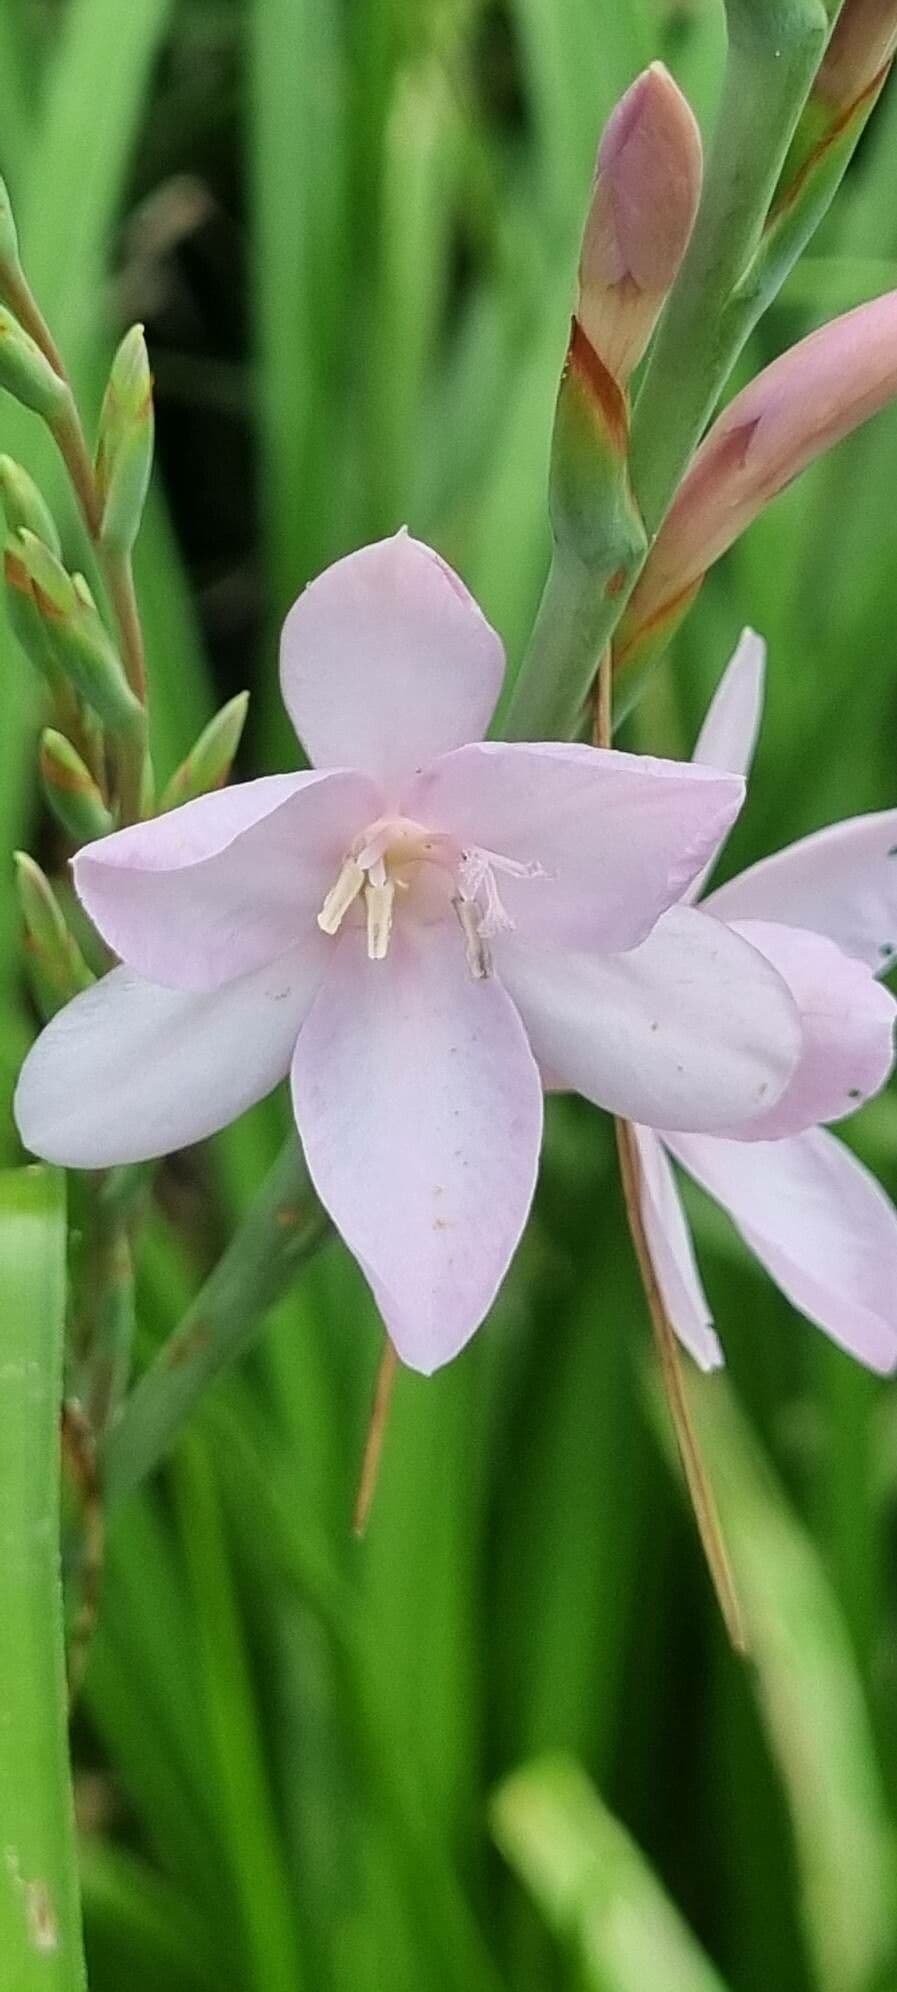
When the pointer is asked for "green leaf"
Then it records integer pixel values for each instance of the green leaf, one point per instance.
(593, 1885)
(40, 1933)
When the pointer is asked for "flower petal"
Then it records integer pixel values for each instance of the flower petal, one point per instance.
(848, 1030)
(672, 1254)
(841, 881)
(670, 1034)
(619, 836)
(131, 1070)
(420, 1110)
(227, 882)
(820, 1224)
(386, 660)
(728, 736)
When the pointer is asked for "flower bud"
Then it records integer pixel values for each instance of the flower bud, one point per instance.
(125, 446)
(26, 374)
(78, 640)
(644, 201)
(24, 506)
(208, 763)
(801, 405)
(862, 45)
(57, 966)
(70, 790)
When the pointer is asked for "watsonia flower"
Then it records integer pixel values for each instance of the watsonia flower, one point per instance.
(414, 930)
(824, 911)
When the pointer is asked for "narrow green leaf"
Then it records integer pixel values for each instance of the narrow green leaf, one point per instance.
(593, 1885)
(40, 1933)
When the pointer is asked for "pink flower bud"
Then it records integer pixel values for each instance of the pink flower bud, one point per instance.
(644, 201)
(800, 406)
(862, 44)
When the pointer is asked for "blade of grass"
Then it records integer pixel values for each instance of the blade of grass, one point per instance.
(40, 1926)
(593, 1885)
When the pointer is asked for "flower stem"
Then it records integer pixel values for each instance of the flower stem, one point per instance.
(281, 1229)
(373, 1451)
(702, 1497)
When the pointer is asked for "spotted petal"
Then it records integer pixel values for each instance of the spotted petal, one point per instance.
(841, 881)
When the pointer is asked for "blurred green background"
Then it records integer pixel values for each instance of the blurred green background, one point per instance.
(501, 1743)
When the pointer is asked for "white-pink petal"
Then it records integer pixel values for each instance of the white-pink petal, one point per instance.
(728, 736)
(671, 1034)
(820, 1224)
(131, 1070)
(841, 881)
(386, 661)
(420, 1110)
(672, 1253)
(619, 837)
(230, 881)
(848, 1030)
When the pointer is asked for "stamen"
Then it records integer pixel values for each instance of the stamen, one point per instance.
(479, 960)
(379, 901)
(341, 897)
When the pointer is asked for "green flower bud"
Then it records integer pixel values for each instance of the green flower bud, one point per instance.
(24, 506)
(78, 639)
(26, 374)
(208, 763)
(58, 968)
(70, 790)
(125, 446)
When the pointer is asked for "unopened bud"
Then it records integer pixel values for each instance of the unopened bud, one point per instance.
(208, 763)
(125, 446)
(79, 642)
(644, 201)
(26, 373)
(23, 505)
(800, 406)
(862, 45)
(70, 790)
(57, 965)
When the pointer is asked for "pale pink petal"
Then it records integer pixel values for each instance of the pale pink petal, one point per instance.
(619, 837)
(841, 881)
(671, 1034)
(819, 1223)
(227, 882)
(728, 736)
(386, 660)
(848, 1030)
(131, 1070)
(672, 1254)
(420, 1110)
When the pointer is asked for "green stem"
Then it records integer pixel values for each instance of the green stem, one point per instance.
(281, 1229)
(774, 50)
(573, 624)
(40, 1934)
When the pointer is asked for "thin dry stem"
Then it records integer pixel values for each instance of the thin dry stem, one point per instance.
(702, 1496)
(373, 1449)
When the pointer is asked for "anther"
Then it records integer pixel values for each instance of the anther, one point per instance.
(340, 897)
(379, 901)
(479, 960)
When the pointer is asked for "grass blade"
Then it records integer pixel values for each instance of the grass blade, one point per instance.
(40, 1933)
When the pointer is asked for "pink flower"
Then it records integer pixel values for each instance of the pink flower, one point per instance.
(412, 930)
(824, 912)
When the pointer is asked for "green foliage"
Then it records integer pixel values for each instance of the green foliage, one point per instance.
(289, 1740)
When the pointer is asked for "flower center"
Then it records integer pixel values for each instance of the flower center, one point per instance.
(384, 862)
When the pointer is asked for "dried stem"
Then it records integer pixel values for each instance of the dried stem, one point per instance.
(702, 1496)
(373, 1450)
